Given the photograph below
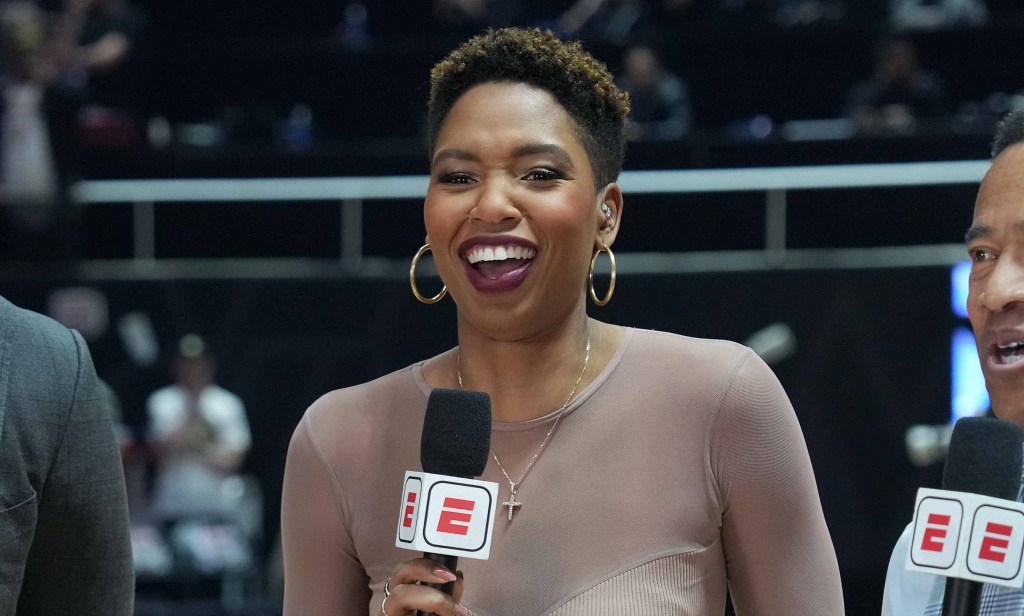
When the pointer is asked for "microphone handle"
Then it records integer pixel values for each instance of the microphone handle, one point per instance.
(451, 563)
(962, 598)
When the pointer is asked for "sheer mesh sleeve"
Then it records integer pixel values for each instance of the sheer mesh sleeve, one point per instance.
(323, 577)
(779, 555)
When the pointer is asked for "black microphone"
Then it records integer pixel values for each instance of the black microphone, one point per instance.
(985, 457)
(456, 442)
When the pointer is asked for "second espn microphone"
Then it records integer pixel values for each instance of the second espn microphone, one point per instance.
(972, 530)
(984, 458)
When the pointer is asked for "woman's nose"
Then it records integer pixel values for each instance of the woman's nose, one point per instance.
(495, 203)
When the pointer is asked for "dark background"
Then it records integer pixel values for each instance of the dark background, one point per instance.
(873, 345)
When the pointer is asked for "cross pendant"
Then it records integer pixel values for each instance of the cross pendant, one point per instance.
(512, 502)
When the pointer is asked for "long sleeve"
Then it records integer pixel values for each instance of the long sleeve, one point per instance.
(779, 555)
(80, 561)
(323, 576)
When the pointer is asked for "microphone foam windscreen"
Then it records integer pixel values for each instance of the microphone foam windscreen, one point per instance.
(984, 458)
(456, 433)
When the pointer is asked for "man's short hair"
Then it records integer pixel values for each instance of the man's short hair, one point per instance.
(1009, 132)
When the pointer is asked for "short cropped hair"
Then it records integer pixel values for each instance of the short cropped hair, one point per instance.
(579, 82)
(1009, 132)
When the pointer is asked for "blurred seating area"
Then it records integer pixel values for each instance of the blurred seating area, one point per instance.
(336, 88)
(329, 89)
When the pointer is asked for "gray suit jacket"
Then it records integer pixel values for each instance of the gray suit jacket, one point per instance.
(64, 543)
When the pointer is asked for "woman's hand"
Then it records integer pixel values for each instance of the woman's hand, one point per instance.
(409, 591)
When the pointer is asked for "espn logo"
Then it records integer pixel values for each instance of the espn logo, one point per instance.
(456, 514)
(937, 539)
(410, 509)
(935, 533)
(997, 542)
(447, 515)
(968, 536)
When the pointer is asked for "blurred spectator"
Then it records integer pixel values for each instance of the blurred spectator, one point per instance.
(899, 94)
(354, 30)
(200, 434)
(659, 102)
(866, 13)
(803, 13)
(678, 7)
(91, 67)
(28, 179)
(74, 87)
(785, 13)
(606, 22)
(935, 14)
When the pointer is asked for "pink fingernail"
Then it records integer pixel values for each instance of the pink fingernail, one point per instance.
(444, 574)
(461, 611)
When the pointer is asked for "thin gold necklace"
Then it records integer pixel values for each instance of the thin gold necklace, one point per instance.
(512, 503)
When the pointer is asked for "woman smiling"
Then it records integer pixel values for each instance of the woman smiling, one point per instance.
(643, 472)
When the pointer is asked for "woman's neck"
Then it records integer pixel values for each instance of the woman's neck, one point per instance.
(532, 377)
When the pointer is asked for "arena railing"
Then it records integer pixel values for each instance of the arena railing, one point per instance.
(352, 193)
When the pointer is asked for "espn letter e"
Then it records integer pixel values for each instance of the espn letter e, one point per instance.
(454, 517)
(409, 516)
(457, 516)
(937, 533)
(997, 543)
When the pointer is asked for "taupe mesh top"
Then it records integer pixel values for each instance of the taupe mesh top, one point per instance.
(679, 473)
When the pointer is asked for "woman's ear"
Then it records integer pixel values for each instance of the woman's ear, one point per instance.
(609, 215)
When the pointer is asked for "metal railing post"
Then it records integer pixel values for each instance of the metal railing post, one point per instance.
(775, 227)
(352, 232)
(144, 230)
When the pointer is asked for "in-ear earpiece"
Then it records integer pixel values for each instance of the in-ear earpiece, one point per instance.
(609, 218)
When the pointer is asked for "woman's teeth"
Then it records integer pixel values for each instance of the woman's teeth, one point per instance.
(498, 253)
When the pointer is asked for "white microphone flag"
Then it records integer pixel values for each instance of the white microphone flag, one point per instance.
(447, 515)
(968, 536)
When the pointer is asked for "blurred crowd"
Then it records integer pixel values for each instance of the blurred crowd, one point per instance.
(623, 21)
(76, 77)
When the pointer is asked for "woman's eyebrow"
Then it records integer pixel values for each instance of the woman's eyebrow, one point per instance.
(543, 148)
(455, 154)
(528, 149)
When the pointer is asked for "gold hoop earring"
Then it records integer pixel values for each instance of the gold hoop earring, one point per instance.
(590, 276)
(412, 279)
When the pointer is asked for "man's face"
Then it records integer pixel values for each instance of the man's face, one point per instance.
(995, 302)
